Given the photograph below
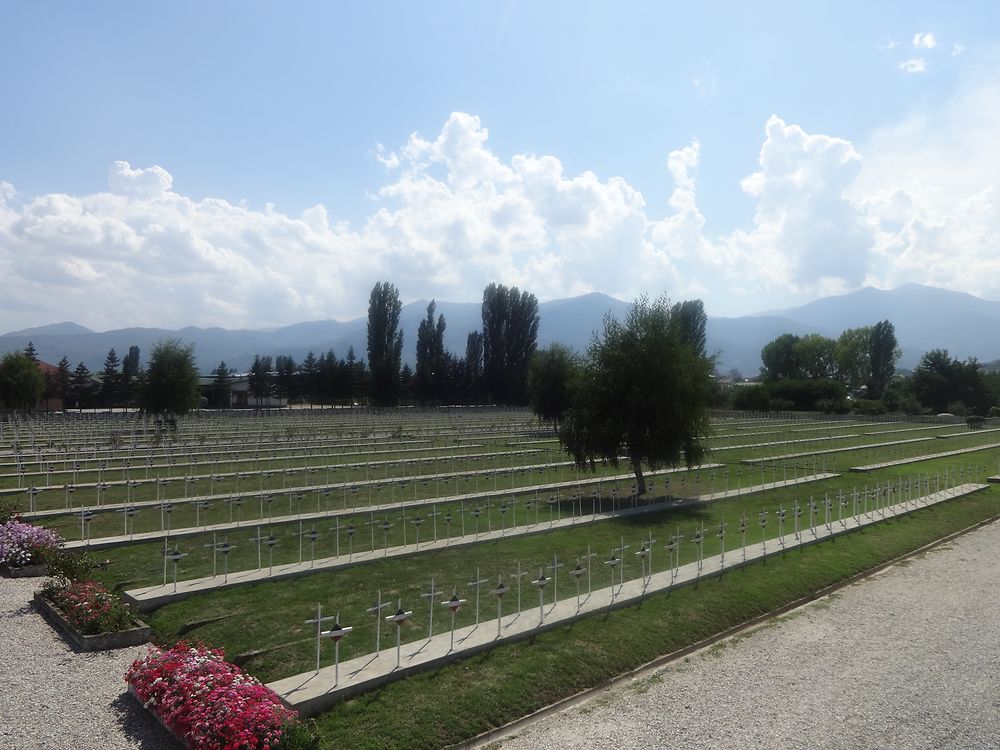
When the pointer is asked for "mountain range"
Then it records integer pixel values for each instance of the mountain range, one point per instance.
(925, 318)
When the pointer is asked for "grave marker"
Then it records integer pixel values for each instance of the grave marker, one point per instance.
(577, 572)
(476, 583)
(540, 584)
(430, 595)
(400, 617)
(176, 556)
(499, 592)
(376, 610)
(454, 604)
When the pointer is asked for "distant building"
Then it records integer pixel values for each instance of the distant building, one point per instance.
(239, 396)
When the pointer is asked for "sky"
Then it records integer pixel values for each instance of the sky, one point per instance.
(251, 165)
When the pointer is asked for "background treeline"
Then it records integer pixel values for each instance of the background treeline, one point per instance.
(492, 369)
(857, 372)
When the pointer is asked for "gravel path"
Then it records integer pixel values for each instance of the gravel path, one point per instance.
(52, 698)
(907, 659)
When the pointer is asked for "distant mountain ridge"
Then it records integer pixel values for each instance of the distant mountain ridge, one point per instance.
(924, 317)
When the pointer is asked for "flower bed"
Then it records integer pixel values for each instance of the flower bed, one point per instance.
(131, 632)
(208, 703)
(25, 547)
(93, 618)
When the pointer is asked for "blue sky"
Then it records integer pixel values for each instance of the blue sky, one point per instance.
(251, 164)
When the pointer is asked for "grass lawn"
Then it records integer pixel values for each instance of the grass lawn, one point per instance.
(263, 624)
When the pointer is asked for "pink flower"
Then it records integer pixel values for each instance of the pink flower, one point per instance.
(207, 701)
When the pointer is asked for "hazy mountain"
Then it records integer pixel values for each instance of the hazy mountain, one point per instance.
(55, 329)
(569, 321)
(737, 341)
(925, 318)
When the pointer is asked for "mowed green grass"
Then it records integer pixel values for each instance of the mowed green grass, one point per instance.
(269, 616)
(264, 623)
(456, 702)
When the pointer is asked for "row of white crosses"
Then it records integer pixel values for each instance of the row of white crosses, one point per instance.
(867, 501)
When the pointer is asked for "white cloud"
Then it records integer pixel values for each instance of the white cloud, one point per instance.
(453, 215)
(806, 233)
(957, 49)
(138, 183)
(931, 182)
(924, 40)
(913, 65)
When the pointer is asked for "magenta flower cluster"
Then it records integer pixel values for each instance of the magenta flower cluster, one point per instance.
(25, 544)
(208, 702)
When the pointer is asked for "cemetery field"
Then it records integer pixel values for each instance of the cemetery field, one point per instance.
(350, 508)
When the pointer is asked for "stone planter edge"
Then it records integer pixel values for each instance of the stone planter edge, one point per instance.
(159, 719)
(102, 642)
(23, 571)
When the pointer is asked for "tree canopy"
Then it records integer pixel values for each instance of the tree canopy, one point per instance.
(432, 361)
(946, 384)
(860, 357)
(510, 335)
(171, 379)
(21, 382)
(385, 342)
(642, 391)
(550, 377)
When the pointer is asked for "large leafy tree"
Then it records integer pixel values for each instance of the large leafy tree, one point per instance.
(21, 382)
(814, 356)
(510, 337)
(171, 379)
(549, 382)
(692, 321)
(851, 355)
(641, 393)
(385, 342)
(942, 383)
(780, 361)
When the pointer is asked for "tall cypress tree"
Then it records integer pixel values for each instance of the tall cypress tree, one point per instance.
(385, 343)
(431, 360)
(510, 336)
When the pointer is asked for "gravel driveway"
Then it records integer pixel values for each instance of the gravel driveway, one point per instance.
(52, 698)
(907, 659)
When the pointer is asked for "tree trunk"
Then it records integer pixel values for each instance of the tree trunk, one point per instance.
(640, 480)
